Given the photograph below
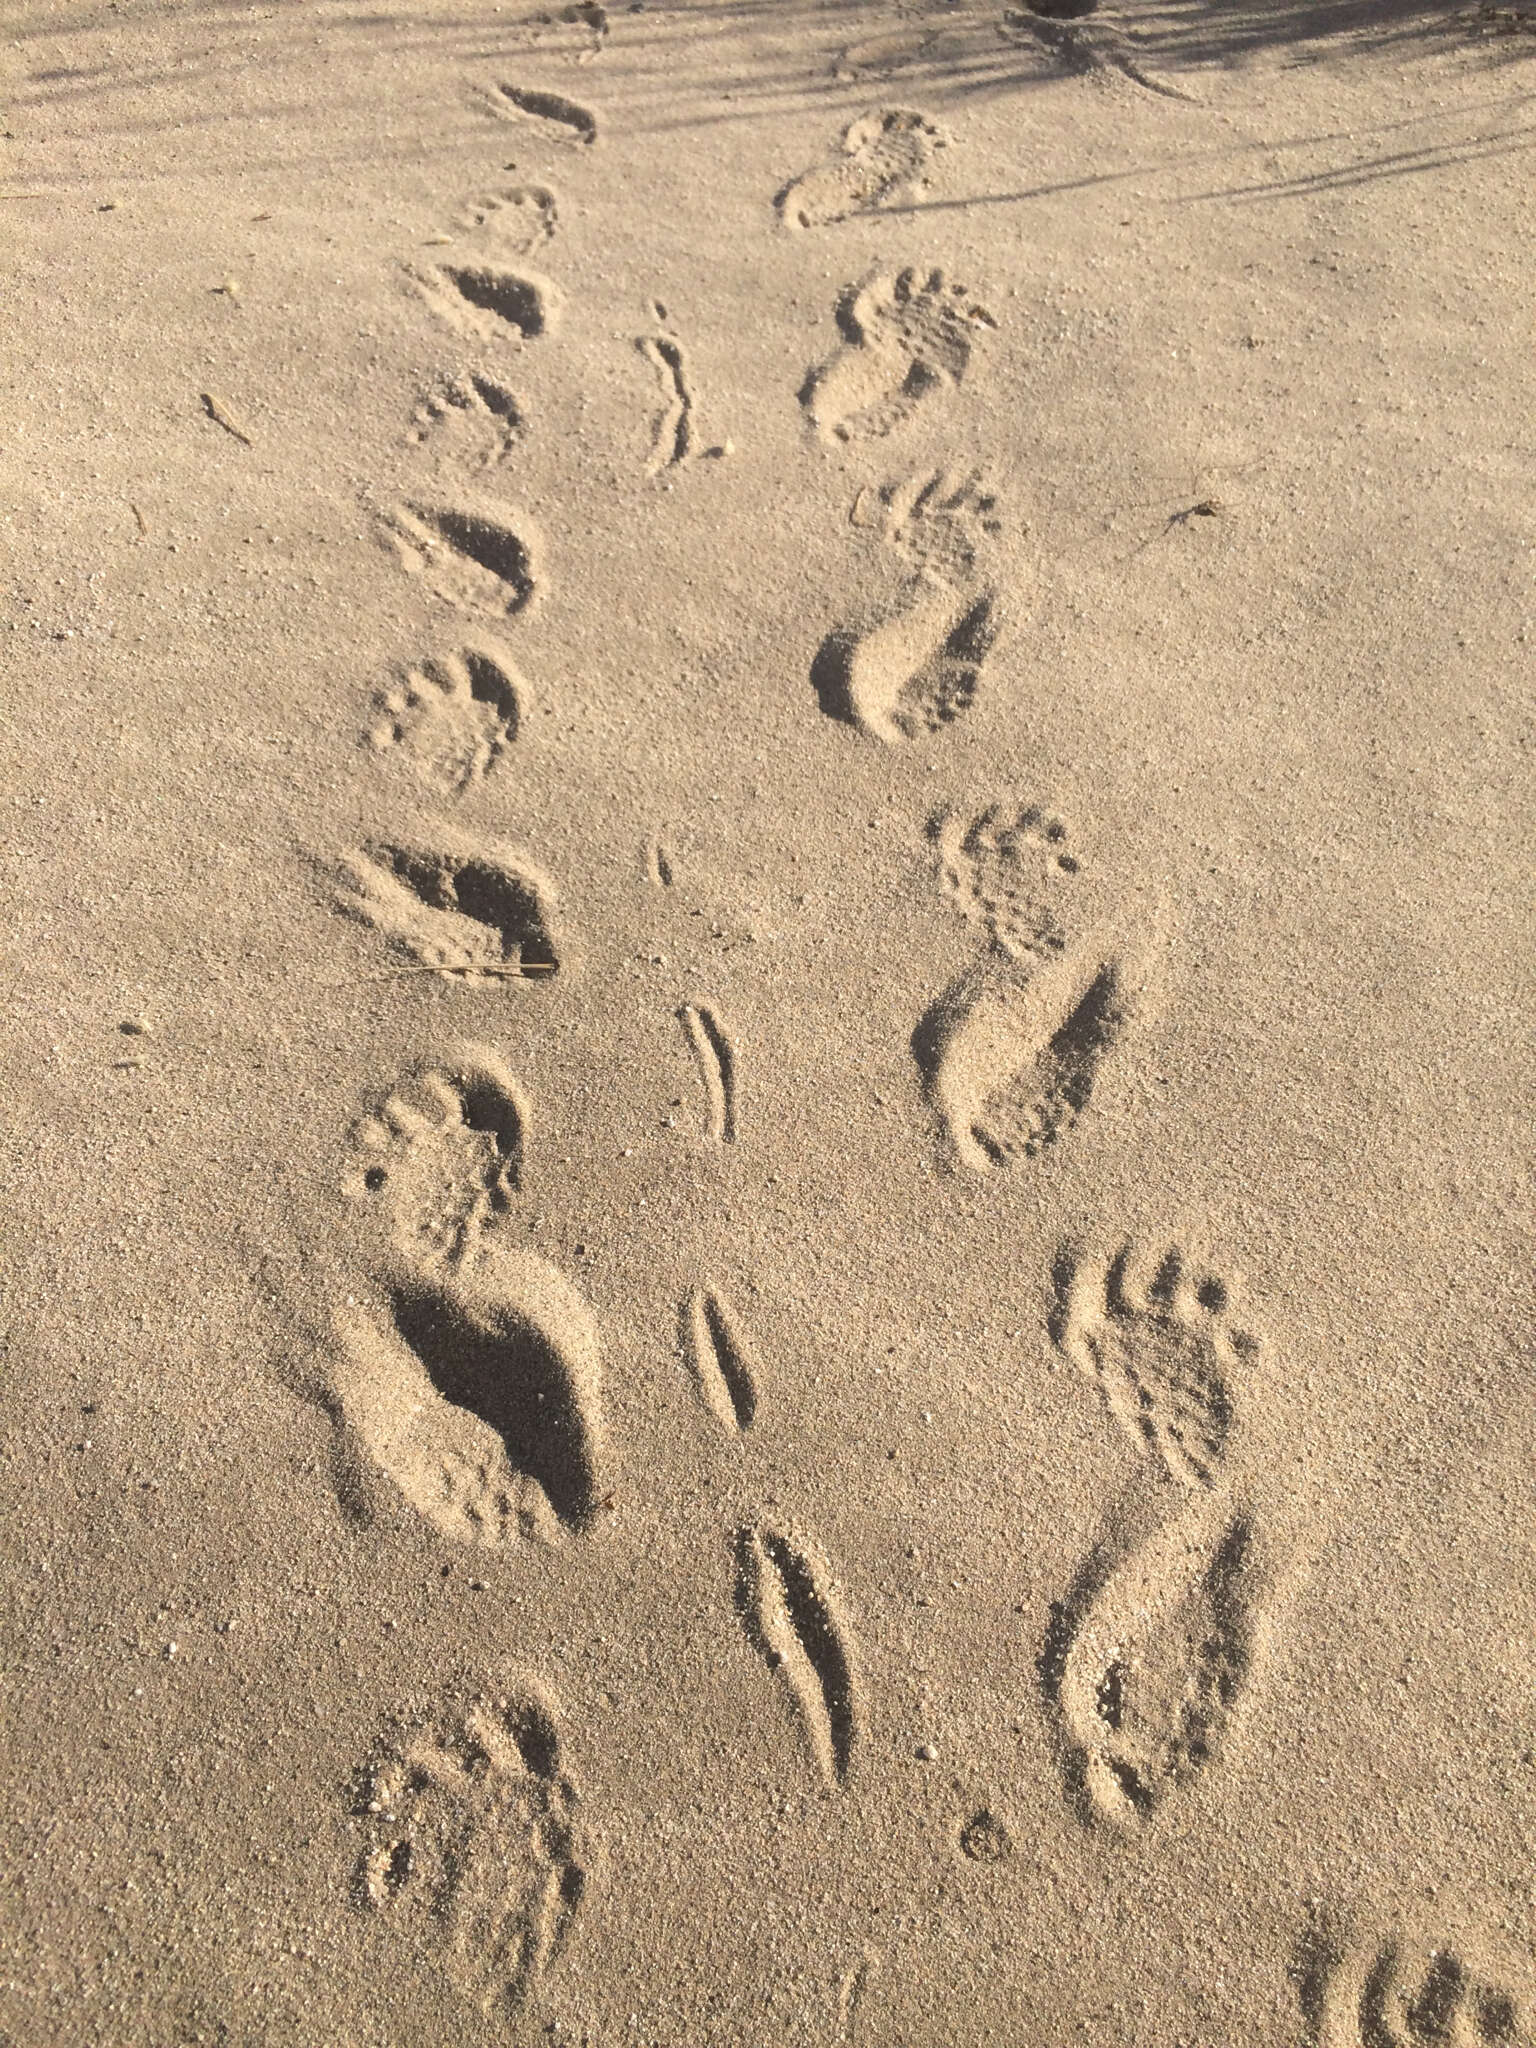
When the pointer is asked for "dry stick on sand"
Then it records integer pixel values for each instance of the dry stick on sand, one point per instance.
(217, 410)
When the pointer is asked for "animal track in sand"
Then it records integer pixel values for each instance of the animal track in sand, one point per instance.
(471, 1833)
(1150, 1661)
(883, 156)
(1163, 1350)
(942, 524)
(453, 716)
(715, 1052)
(481, 405)
(480, 1399)
(475, 913)
(721, 1359)
(442, 1157)
(488, 301)
(1397, 1992)
(786, 1607)
(913, 674)
(1012, 874)
(1011, 1059)
(672, 436)
(517, 220)
(563, 118)
(471, 557)
(905, 338)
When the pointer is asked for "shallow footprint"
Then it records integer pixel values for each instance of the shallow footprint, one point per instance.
(442, 1158)
(1013, 873)
(943, 524)
(1149, 1679)
(884, 156)
(517, 220)
(1162, 1349)
(454, 716)
(480, 1400)
(915, 673)
(455, 908)
(905, 338)
(1011, 1060)
(473, 405)
(471, 1833)
(1402, 1992)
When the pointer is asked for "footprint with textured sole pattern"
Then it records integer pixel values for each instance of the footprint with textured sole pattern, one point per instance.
(560, 118)
(1013, 872)
(471, 1840)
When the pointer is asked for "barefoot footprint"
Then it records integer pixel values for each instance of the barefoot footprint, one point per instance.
(1013, 873)
(905, 338)
(1402, 1991)
(454, 716)
(941, 523)
(884, 156)
(1163, 1351)
(472, 1841)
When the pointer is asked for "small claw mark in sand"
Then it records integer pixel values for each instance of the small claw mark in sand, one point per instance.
(1151, 1658)
(915, 673)
(472, 558)
(787, 1610)
(1397, 1990)
(721, 1359)
(659, 865)
(518, 219)
(716, 1057)
(884, 156)
(1162, 1348)
(217, 410)
(471, 1842)
(487, 301)
(564, 117)
(906, 338)
(442, 1158)
(1011, 872)
(453, 716)
(481, 404)
(1011, 1059)
(481, 1400)
(852, 1987)
(672, 435)
(458, 912)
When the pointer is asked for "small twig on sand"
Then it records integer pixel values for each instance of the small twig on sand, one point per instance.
(216, 410)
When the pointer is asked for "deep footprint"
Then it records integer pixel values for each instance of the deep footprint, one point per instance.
(471, 1842)
(916, 673)
(472, 557)
(489, 302)
(458, 911)
(481, 1402)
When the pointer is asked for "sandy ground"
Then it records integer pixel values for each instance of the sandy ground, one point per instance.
(765, 903)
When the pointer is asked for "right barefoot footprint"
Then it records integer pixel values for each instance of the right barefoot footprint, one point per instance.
(454, 716)
(1163, 1351)
(1013, 873)
(906, 337)
(884, 156)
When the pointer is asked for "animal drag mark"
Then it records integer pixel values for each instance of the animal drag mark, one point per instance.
(787, 1611)
(442, 1158)
(454, 717)
(912, 675)
(480, 1400)
(471, 1841)
(565, 119)
(715, 1055)
(472, 558)
(905, 339)
(672, 435)
(1163, 1351)
(1152, 1656)
(1098, 51)
(721, 1359)
(475, 913)
(942, 525)
(487, 301)
(517, 220)
(882, 157)
(1010, 1060)
(1398, 1991)
(1011, 872)
(476, 404)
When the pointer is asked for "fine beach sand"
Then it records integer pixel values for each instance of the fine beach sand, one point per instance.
(765, 952)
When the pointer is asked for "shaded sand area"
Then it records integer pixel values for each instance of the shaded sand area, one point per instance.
(765, 958)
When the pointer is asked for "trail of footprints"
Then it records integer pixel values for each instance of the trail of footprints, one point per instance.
(468, 1381)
